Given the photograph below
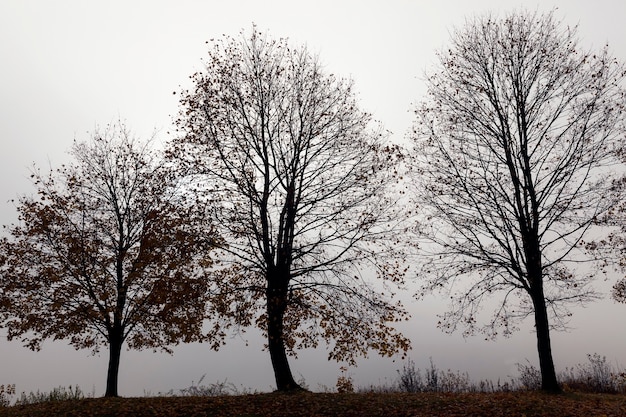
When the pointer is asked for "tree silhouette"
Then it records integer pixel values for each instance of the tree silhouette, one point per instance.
(300, 179)
(514, 153)
(107, 252)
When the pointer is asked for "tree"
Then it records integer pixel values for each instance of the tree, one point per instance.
(299, 178)
(514, 157)
(107, 252)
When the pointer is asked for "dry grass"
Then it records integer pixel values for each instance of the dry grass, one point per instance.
(527, 404)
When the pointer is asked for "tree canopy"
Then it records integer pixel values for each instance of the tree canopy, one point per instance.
(300, 179)
(515, 153)
(108, 251)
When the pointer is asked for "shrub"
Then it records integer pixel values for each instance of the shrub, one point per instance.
(57, 394)
(450, 381)
(410, 378)
(595, 376)
(6, 392)
(432, 378)
(212, 390)
(529, 376)
(344, 382)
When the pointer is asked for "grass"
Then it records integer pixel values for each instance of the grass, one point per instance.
(526, 403)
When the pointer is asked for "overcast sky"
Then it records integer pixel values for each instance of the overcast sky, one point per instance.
(67, 66)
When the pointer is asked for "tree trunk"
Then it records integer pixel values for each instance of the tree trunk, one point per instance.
(115, 350)
(276, 306)
(549, 382)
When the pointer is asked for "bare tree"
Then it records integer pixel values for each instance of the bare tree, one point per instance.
(300, 181)
(514, 152)
(107, 252)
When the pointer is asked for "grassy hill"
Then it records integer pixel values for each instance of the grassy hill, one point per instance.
(527, 403)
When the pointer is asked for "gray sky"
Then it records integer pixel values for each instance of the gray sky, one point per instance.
(67, 66)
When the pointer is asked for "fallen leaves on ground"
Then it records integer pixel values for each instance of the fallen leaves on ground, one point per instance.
(526, 404)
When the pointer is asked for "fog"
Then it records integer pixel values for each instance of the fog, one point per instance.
(69, 66)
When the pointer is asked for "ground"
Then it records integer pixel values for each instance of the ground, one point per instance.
(331, 404)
